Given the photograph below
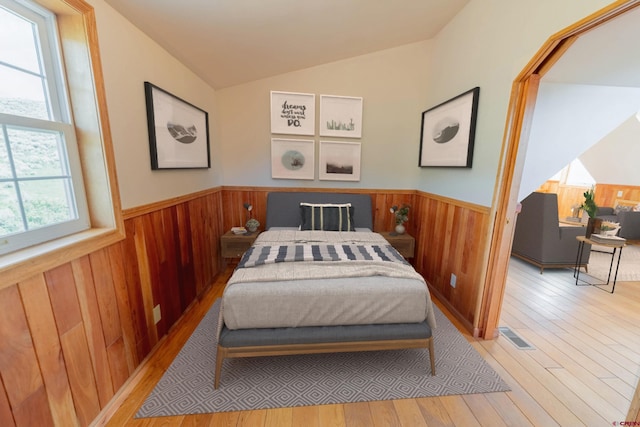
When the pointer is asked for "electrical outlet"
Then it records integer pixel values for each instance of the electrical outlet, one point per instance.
(453, 280)
(157, 314)
(620, 193)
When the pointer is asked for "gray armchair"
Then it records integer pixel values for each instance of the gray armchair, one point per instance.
(540, 239)
(629, 221)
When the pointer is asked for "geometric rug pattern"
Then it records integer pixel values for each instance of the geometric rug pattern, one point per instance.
(315, 379)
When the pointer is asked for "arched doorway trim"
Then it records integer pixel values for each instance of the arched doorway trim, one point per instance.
(515, 139)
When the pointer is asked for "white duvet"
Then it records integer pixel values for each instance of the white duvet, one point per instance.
(306, 293)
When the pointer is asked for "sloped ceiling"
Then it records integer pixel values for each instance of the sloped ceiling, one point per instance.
(227, 43)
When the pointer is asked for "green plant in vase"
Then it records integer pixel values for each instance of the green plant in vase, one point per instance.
(590, 207)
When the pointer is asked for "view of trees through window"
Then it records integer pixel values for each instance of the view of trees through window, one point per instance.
(35, 154)
(36, 176)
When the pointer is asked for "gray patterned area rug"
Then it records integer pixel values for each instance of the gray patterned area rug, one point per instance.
(316, 379)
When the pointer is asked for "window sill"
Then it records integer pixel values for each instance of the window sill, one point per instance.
(22, 264)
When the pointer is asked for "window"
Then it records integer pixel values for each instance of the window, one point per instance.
(41, 192)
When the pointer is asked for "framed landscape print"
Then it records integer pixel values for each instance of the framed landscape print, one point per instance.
(178, 131)
(340, 116)
(292, 158)
(339, 161)
(448, 132)
(293, 113)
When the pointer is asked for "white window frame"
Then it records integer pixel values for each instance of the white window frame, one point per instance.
(58, 105)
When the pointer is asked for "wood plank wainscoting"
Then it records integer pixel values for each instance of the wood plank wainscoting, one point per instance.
(72, 336)
(571, 195)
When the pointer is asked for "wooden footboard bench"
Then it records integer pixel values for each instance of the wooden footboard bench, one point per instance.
(321, 339)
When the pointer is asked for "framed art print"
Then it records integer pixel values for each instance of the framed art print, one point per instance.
(448, 132)
(339, 161)
(340, 116)
(292, 158)
(293, 113)
(178, 131)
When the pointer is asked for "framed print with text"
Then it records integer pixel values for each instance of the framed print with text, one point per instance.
(293, 113)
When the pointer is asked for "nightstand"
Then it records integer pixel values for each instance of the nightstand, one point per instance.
(404, 243)
(234, 245)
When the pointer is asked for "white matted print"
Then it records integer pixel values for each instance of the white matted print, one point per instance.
(178, 131)
(293, 113)
(339, 161)
(292, 158)
(340, 116)
(448, 132)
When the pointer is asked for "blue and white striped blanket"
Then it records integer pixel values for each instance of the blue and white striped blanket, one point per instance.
(261, 255)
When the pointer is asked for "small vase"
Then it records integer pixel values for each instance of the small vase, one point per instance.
(400, 229)
(593, 226)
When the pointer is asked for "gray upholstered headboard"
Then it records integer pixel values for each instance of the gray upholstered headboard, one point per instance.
(283, 208)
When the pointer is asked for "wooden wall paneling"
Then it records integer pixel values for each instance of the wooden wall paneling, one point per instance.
(444, 246)
(6, 416)
(42, 324)
(109, 313)
(118, 362)
(134, 289)
(34, 411)
(196, 222)
(205, 231)
(64, 298)
(83, 276)
(105, 293)
(75, 348)
(18, 362)
(154, 257)
(116, 261)
(186, 273)
(78, 363)
(171, 266)
(145, 278)
(606, 194)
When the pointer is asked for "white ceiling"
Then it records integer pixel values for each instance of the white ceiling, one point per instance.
(236, 41)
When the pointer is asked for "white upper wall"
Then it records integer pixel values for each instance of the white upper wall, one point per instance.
(614, 159)
(392, 84)
(567, 120)
(487, 45)
(129, 58)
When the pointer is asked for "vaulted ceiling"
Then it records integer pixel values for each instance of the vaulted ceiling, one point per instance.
(227, 43)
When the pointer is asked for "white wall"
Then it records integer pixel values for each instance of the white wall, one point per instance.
(392, 82)
(487, 45)
(616, 158)
(567, 120)
(129, 58)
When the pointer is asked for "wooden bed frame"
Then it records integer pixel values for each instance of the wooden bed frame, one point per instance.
(283, 211)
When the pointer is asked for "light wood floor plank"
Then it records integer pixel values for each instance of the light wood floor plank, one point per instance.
(582, 371)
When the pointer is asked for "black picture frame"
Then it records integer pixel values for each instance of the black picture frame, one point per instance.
(448, 132)
(178, 131)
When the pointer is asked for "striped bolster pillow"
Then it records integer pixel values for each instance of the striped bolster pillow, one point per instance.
(326, 217)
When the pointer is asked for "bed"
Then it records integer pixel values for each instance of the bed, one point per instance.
(318, 280)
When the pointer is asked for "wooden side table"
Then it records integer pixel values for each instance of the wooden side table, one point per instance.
(404, 243)
(234, 245)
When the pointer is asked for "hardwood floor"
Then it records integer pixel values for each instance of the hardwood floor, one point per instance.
(583, 368)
